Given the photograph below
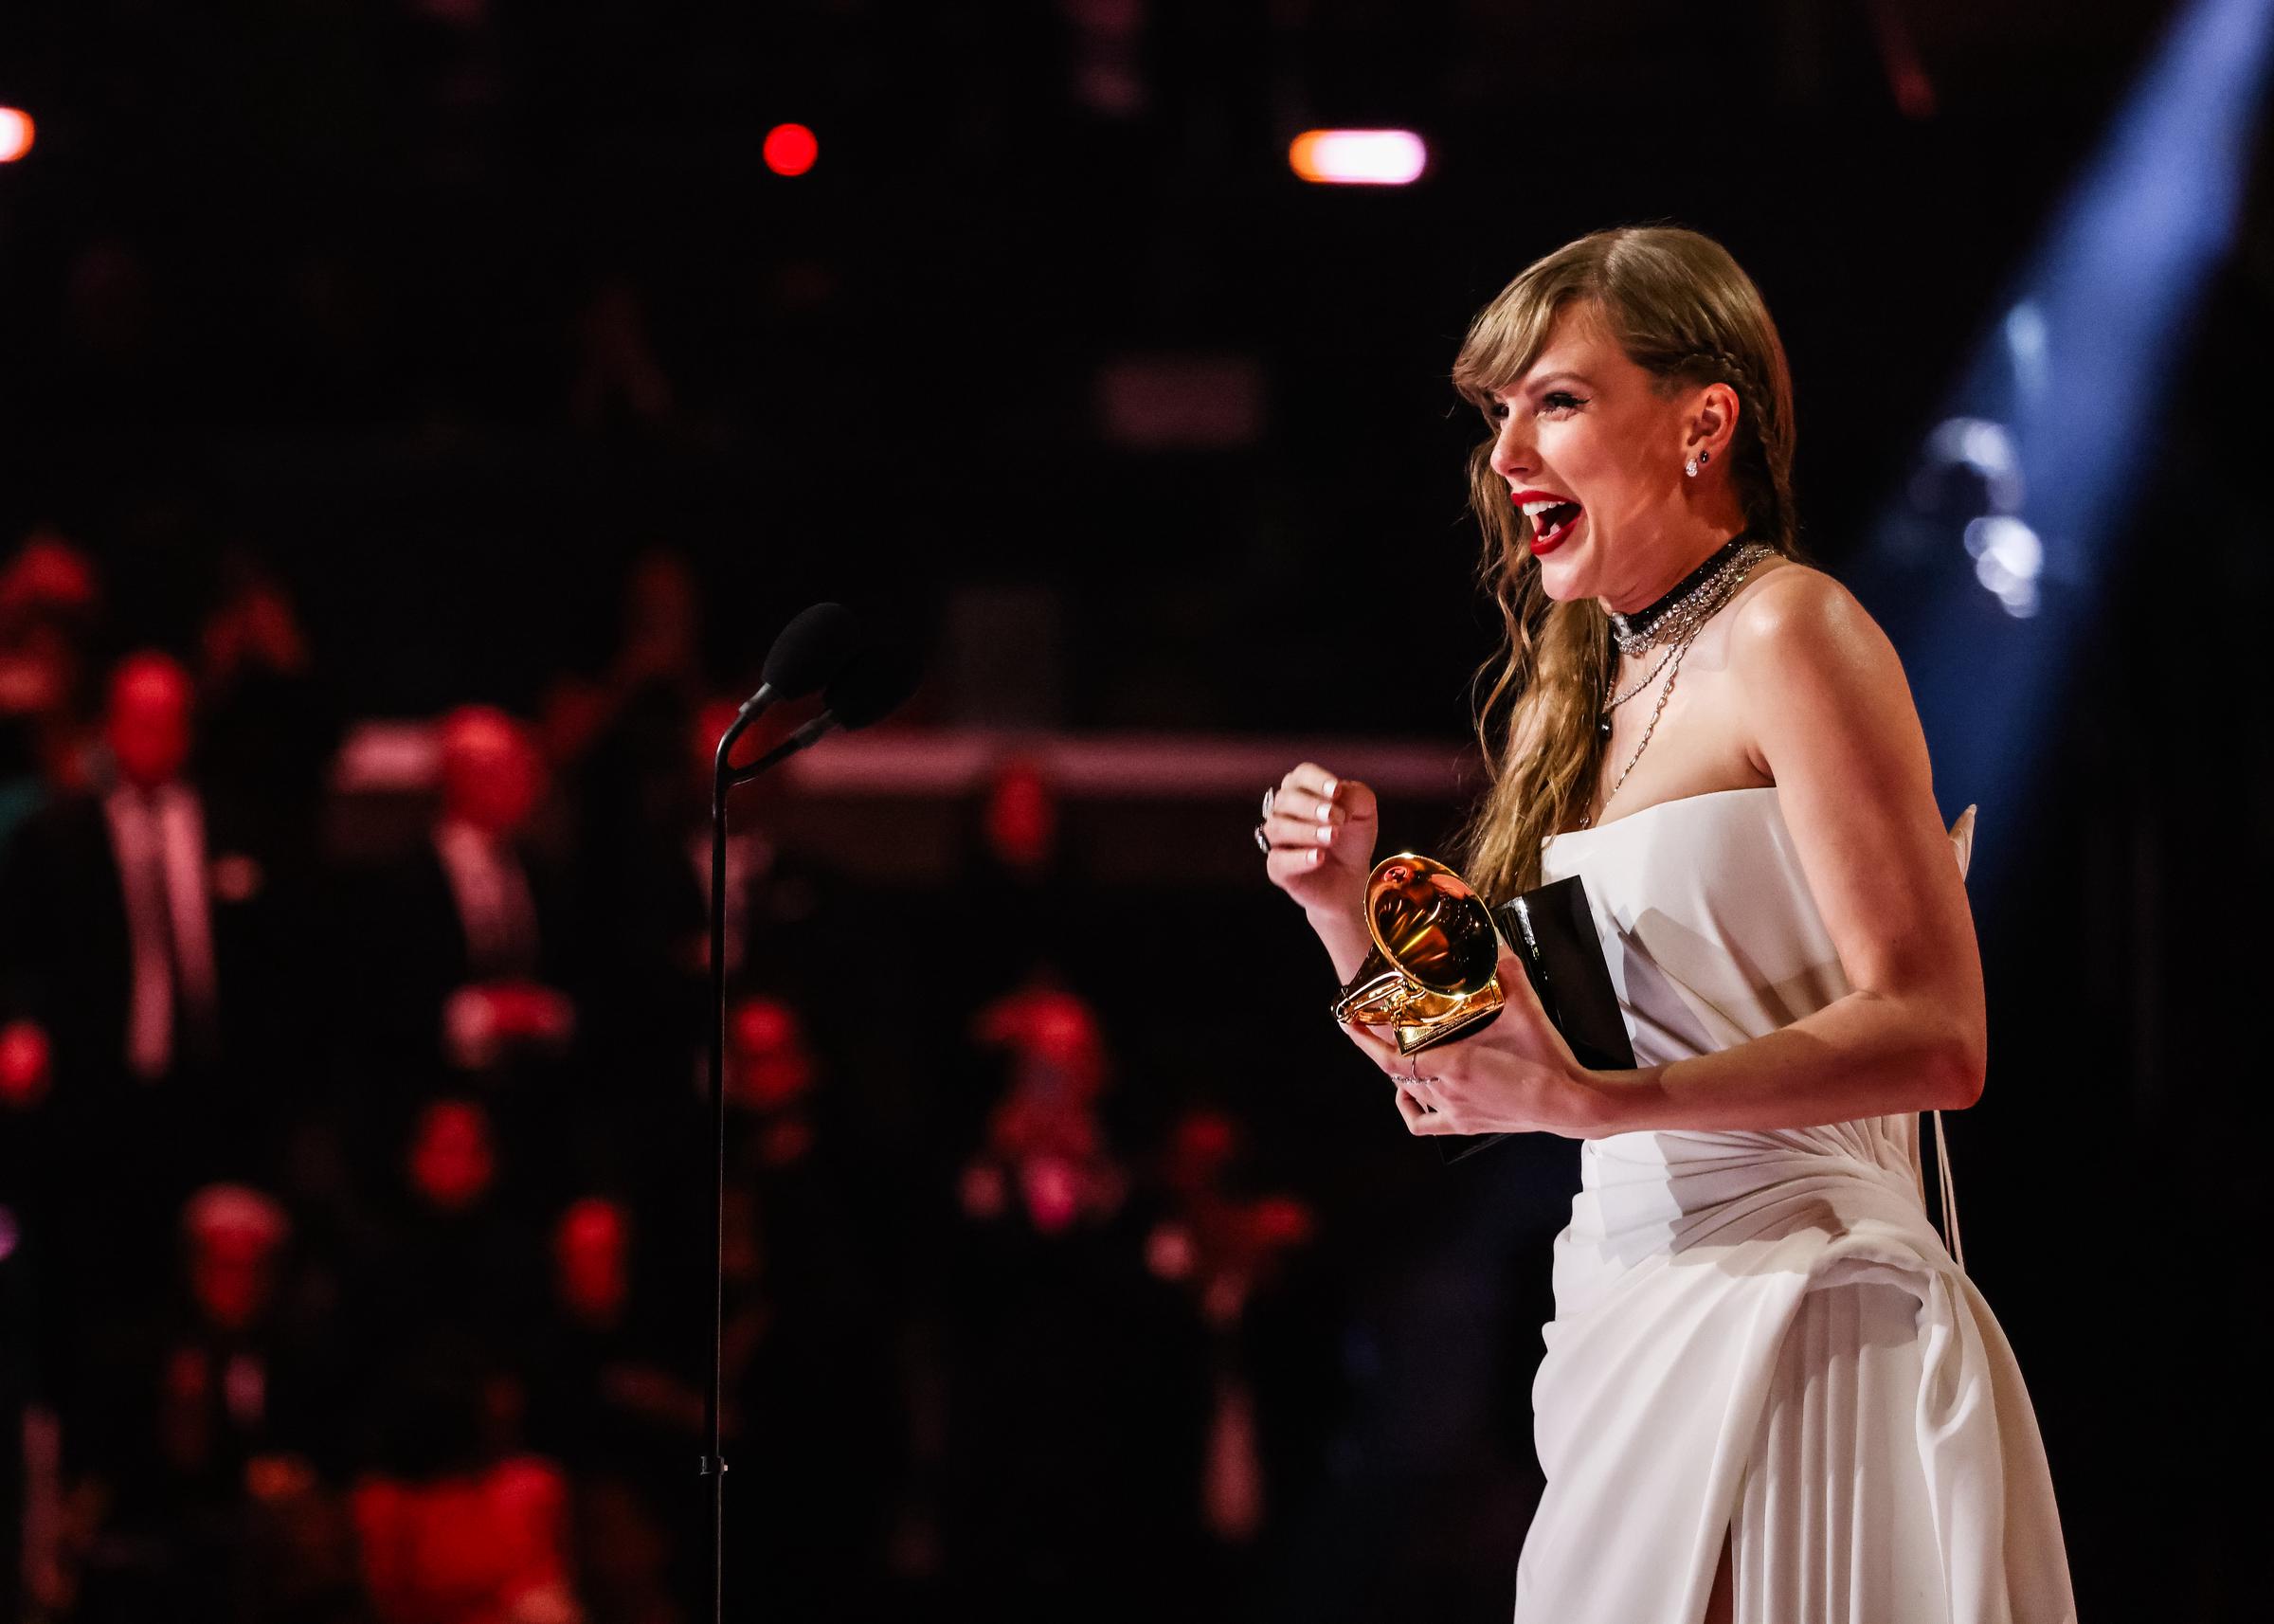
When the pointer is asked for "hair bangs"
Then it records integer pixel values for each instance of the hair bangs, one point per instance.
(1510, 332)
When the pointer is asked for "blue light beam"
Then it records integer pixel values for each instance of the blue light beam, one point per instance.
(1988, 568)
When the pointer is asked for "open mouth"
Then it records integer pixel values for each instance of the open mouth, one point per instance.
(1551, 523)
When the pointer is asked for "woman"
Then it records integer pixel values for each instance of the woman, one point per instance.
(1768, 1391)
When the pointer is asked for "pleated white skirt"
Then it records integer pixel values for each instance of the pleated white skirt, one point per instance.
(1832, 1516)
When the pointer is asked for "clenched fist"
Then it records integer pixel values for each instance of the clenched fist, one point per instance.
(1322, 830)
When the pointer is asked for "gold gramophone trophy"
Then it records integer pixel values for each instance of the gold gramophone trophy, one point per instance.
(1433, 975)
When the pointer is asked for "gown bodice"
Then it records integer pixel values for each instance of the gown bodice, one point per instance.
(1713, 937)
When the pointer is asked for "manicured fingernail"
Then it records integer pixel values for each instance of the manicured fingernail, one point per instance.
(1326, 811)
(1315, 857)
(1332, 785)
(1326, 833)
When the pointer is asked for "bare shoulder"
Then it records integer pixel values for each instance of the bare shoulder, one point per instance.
(1794, 601)
(1795, 621)
(1810, 659)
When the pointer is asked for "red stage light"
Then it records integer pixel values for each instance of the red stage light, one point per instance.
(790, 148)
(15, 135)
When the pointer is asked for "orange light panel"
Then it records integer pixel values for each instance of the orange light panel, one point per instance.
(1359, 158)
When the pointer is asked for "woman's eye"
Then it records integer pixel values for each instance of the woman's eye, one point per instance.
(1549, 402)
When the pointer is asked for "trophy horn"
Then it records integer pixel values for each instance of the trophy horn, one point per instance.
(1432, 973)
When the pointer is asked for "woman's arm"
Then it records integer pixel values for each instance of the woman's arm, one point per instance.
(1831, 721)
(1343, 933)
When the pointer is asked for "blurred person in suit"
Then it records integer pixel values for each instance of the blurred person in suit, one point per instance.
(814, 1386)
(190, 1426)
(137, 964)
(1244, 1257)
(608, 1401)
(473, 927)
(447, 1243)
(1060, 1357)
(466, 946)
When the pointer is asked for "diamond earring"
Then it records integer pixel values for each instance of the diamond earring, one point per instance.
(1690, 467)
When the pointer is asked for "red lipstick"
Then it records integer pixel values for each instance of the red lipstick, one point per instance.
(1547, 540)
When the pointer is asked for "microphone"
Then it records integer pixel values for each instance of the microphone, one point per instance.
(874, 683)
(810, 652)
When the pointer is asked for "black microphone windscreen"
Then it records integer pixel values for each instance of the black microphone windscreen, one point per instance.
(810, 652)
(879, 679)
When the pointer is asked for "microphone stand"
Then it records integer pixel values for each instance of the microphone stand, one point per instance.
(724, 777)
(713, 1464)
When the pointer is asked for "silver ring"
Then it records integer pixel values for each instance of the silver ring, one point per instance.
(1263, 842)
(1267, 801)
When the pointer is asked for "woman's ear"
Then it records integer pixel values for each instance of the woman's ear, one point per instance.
(1713, 423)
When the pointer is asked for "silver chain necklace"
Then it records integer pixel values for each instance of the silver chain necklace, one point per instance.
(1694, 610)
(1676, 660)
(1690, 603)
(1604, 725)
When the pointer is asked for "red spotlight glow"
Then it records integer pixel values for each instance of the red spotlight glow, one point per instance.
(15, 135)
(790, 148)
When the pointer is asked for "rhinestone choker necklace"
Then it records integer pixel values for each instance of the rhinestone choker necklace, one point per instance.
(1666, 620)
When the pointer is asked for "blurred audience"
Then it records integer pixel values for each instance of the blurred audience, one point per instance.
(813, 1376)
(1061, 1357)
(50, 599)
(457, 1524)
(1224, 1247)
(362, 1214)
(450, 1247)
(609, 1402)
(1044, 1161)
(1018, 886)
(197, 1430)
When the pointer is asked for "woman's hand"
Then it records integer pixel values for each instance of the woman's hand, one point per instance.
(1518, 1075)
(1322, 830)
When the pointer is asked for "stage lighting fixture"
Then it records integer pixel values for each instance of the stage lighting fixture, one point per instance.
(15, 133)
(790, 148)
(1358, 158)
(2007, 557)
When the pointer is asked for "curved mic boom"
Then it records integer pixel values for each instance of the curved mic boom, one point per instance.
(874, 683)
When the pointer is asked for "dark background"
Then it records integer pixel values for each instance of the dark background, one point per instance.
(317, 283)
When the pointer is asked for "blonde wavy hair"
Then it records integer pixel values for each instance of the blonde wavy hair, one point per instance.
(1682, 310)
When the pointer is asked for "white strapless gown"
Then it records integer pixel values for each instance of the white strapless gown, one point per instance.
(1762, 1332)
